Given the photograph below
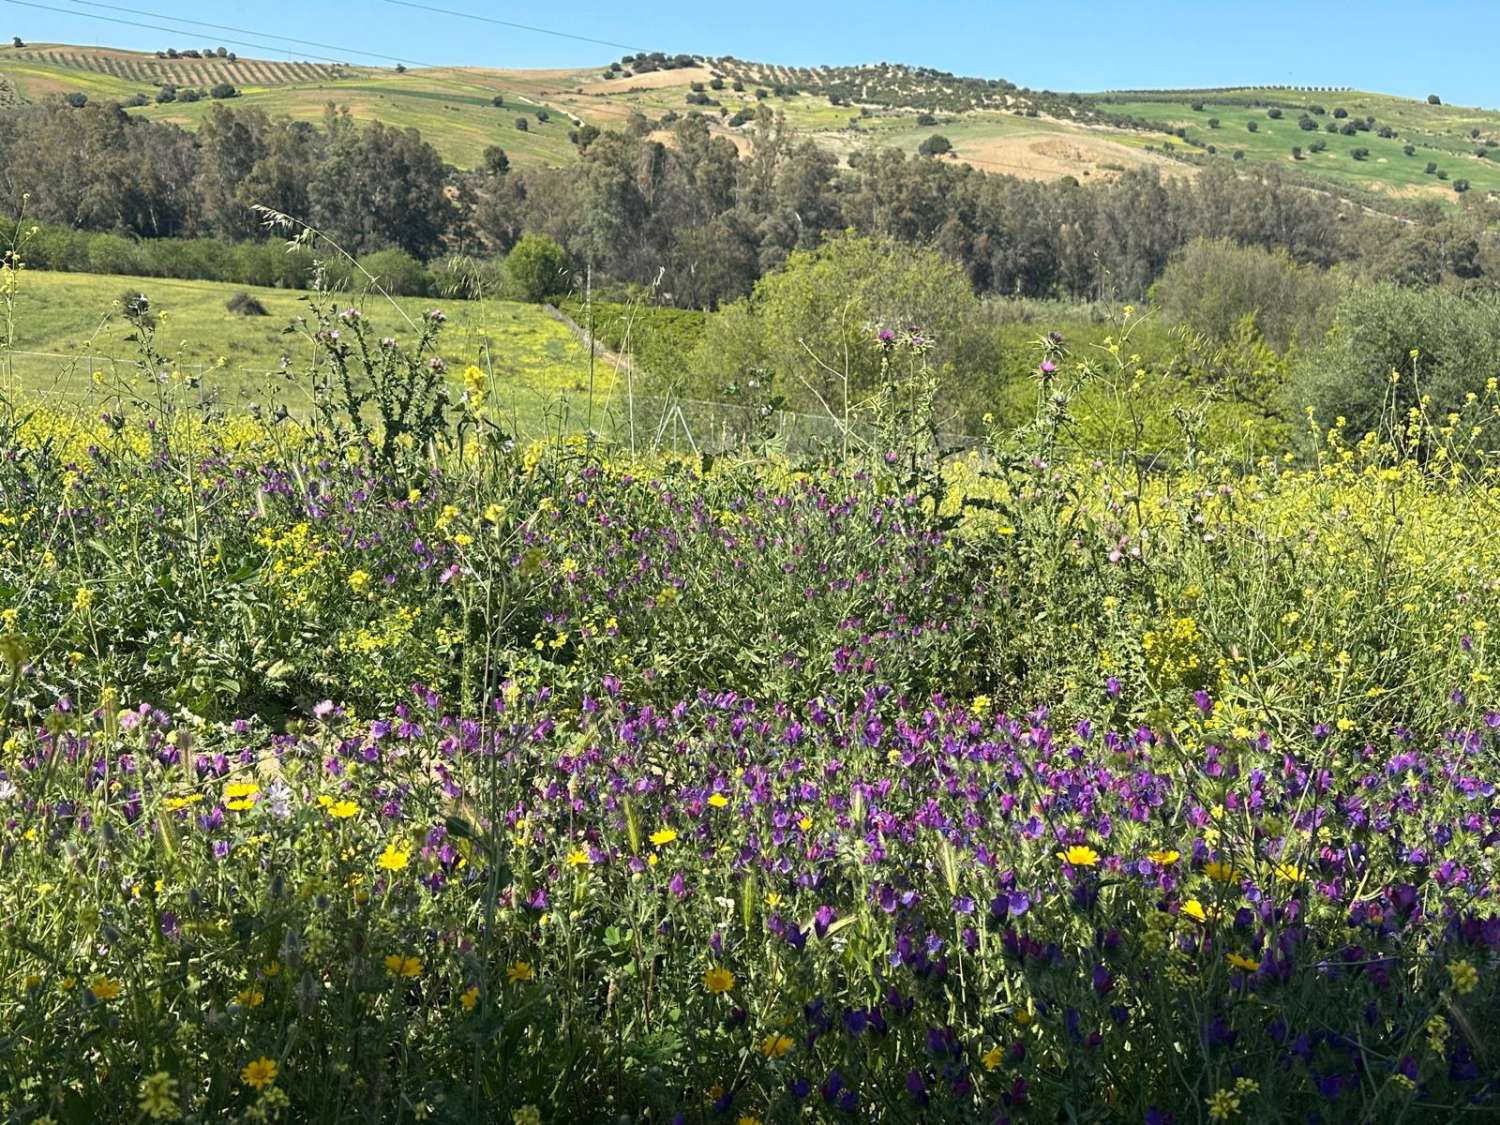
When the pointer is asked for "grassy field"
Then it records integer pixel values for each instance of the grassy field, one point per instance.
(70, 341)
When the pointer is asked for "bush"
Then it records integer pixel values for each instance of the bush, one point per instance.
(1433, 99)
(1213, 285)
(926, 120)
(522, 124)
(1296, 152)
(243, 304)
(1274, 113)
(223, 90)
(1460, 186)
(1213, 122)
(822, 310)
(77, 99)
(1431, 167)
(396, 272)
(935, 145)
(498, 100)
(1340, 112)
(203, 259)
(496, 163)
(1253, 126)
(110, 253)
(1359, 153)
(167, 93)
(538, 268)
(1318, 146)
(1375, 330)
(1409, 150)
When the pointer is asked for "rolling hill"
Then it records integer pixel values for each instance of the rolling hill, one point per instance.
(1354, 142)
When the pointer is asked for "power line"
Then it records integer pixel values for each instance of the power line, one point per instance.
(245, 31)
(517, 26)
(168, 30)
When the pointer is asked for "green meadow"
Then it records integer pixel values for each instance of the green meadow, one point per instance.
(70, 342)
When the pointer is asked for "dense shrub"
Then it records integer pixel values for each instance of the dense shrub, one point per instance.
(538, 268)
(1212, 286)
(815, 324)
(1440, 343)
(395, 271)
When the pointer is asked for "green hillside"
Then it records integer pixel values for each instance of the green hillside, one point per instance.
(1396, 147)
(1461, 144)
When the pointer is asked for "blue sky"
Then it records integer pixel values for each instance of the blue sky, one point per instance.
(1413, 48)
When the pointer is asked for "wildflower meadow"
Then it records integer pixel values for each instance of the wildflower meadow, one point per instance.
(367, 764)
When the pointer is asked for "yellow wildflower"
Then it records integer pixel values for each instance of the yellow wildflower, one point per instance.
(1079, 855)
(259, 1073)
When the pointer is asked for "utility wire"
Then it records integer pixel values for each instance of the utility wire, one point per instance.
(156, 27)
(245, 31)
(517, 26)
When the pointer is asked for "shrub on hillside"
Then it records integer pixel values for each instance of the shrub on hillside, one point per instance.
(538, 268)
(243, 304)
(935, 145)
(1440, 343)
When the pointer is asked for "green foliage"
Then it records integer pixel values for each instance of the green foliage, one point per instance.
(394, 271)
(816, 324)
(1441, 346)
(660, 341)
(538, 268)
(1213, 285)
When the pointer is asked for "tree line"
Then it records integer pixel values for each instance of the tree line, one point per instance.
(690, 216)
